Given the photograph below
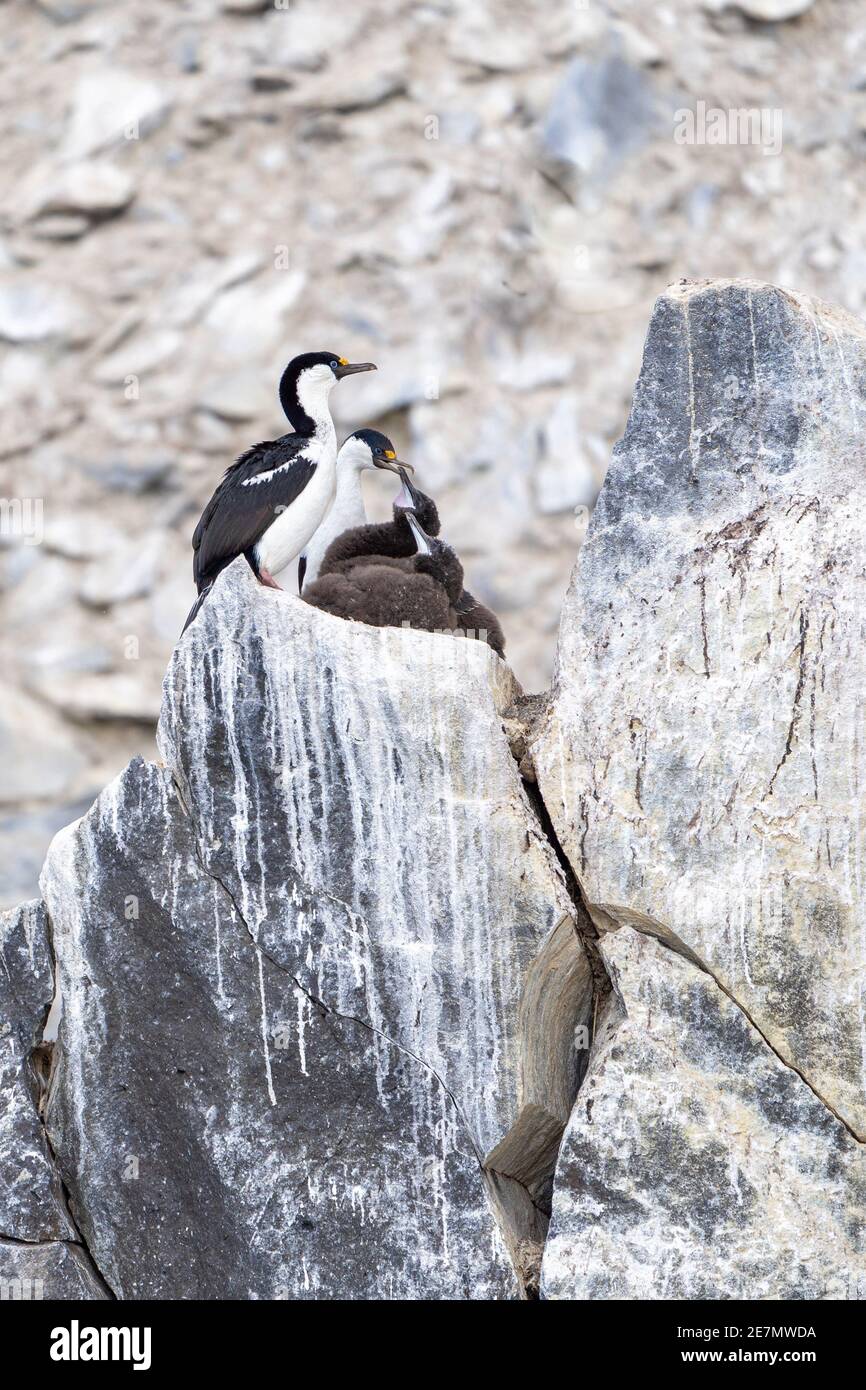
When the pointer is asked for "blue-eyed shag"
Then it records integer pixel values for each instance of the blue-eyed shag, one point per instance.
(278, 492)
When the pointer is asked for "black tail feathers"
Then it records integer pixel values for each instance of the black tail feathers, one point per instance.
(196, 606)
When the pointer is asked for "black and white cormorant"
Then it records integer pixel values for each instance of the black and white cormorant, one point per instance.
(277, 493)
(362, 450)
(400, 574)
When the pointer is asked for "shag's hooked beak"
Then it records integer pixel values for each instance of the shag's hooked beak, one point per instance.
(422, 540)
(388, 459)
(350, 368)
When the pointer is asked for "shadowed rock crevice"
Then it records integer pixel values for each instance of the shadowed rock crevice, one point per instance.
(564, 991)
(49, 1269)
(42, 1062)
(83, 1252)
(522, 723)
(584, 925)
(555, 1020)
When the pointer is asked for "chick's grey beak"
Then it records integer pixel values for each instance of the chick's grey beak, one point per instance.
(422, 540)
(404, 499)
(350, 368)
(391, 462)
(408, 496)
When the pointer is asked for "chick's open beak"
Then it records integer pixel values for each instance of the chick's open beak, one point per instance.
(350, 368)
(388, 459)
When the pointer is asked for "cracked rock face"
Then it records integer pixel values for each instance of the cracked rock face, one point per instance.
(304, 1052)
(58, 1270)
(703, 760)
(39, 1251)
(696, 1165)
(30, 1196)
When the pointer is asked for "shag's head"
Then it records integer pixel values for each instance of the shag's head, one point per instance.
(307, 382)
(369, 449)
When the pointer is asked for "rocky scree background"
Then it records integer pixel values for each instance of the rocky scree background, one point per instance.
(484, 198)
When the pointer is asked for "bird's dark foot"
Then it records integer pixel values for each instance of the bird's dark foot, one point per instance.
(266, 578)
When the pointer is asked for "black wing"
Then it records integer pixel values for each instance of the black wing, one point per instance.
(302, 570)
(241, 510)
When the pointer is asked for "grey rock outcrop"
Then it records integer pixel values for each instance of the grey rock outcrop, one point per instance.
(30, 1195)
(56, 1270)
(307, 1047)
(702, 765)
(40, 1252)
(696, 1164)
(386, 966)
(701, 762)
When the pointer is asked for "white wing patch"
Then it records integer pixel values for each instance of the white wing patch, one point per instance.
(322, 442)
(306, 456)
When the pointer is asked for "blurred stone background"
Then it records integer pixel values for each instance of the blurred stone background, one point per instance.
(484, 196)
